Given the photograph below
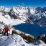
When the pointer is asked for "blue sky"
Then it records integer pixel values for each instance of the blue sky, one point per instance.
(32, 3)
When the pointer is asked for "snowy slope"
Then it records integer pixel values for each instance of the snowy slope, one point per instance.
(2, 8)
(16, 40)
(16, 22)
(7, 19)
(3, 19)
(21, 12)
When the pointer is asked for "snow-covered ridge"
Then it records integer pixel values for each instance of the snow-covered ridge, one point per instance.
(4, 9)
(23, 13)
(16, 40)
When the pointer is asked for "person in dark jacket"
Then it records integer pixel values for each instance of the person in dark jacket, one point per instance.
(5, 30)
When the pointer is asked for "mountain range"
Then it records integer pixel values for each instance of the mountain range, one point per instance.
(23, 20)
(26, 14)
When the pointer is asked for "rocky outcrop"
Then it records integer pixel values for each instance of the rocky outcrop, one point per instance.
(28, 38)
(29, 21)
(42, 37)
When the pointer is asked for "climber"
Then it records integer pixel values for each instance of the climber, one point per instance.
(5, 30)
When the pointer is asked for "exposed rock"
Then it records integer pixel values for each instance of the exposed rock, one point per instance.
(41, 37)
(28, 38)
(29, 21)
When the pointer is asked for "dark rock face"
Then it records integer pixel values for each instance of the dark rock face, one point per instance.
(42, 37)
(38, 9)
(28, 38)
(43, 9)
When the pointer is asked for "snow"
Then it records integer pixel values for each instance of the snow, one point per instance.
(7, 16)
(7, 20)
(27, 34)
(15, 10)
(3, 19)
(25, 12)
(18, 31)
(17, 22)
(7, 10)
(10, 31)
(32, 11)
(20, 9)
(1, 13)
(21, 12)
(16, 40)
(42, 43)
(2, 8)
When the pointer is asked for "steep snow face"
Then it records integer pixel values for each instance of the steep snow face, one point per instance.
(32, 11)
(38, 13)
(7, 20)
(25, 12)
(21, 12)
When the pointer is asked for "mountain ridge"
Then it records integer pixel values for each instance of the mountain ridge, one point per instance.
(23, 13)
